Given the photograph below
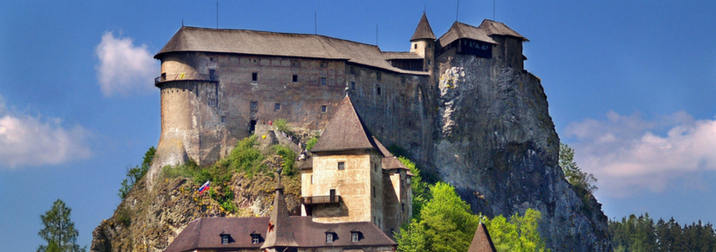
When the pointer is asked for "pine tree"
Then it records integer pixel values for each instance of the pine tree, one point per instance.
(59, 231)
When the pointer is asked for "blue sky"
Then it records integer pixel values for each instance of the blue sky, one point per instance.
(629, 84)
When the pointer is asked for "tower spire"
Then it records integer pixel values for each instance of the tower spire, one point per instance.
(279, 235)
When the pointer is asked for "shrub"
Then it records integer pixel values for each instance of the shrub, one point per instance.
(245, 157)
(282, 125)
(289, 158)
(311, 142)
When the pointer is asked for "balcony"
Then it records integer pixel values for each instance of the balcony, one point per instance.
(186, 77)
(321, 200)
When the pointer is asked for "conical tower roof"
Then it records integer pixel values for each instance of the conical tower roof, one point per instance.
(423, 31)
(481, 242)
(345, 131)
(280, 232)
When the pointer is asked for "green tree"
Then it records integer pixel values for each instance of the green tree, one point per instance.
(446, 223)
(134, 174)
(518, 234)
(59, 231)
(421, 193)
(581, 180)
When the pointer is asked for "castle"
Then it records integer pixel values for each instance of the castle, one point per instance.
(218, 84)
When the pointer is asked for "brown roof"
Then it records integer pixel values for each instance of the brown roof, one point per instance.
(205, 233)
(482, 33)
(277, 44)
(389, 161)
(401, 55)
(279, 231)
(499, 28)
(460, 30)
(481, 242)
(345, 131)
(423, 31)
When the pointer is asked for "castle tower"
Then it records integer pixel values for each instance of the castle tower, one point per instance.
(423, 43)
(346, 181)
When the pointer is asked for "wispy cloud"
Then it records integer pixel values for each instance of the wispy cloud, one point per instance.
(626, 154)
(31, 141)
(123, 67)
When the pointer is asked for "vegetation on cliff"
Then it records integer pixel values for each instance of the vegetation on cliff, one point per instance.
(242, 185)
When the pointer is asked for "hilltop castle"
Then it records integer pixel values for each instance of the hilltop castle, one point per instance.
(217, 84)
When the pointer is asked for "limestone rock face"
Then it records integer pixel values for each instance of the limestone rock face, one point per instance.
(496, 143)
(149, 220)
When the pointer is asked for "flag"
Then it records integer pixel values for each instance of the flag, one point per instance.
(204, 187)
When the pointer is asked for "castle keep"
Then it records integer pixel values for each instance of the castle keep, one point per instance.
(216, 84)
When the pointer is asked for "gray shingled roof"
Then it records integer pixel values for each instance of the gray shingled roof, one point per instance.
(250, 42)
(481, 33)
(481, 242)
(389, 161)
(345, 131)
(499, 28)
(401, 55)
(423, 31)
(204, 233)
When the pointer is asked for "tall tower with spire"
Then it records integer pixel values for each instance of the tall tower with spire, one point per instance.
(423, 43)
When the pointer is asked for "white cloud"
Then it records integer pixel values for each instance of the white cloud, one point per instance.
(627, 156)
(31, 141)
(124, 68)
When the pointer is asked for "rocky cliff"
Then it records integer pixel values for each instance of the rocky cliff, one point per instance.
(496, 143)
(149, 219)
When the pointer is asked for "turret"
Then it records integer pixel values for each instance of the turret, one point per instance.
(423, 43)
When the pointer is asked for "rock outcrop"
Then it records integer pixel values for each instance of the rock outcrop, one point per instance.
(148, 220)
(497, 145)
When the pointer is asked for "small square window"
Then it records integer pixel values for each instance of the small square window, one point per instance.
(223, 119)
(323, 81)
(430, 45)
(379, 75)
(212, 102)
(428, 62)
(353, 85)
(295, 78)
(324, 108)
(415, 46)
(341, 165)
(254, 105)
(254, 76)
(277, 106)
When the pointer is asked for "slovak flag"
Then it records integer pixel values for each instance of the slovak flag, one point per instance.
(204, 187)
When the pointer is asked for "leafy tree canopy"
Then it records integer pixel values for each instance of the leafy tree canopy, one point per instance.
(518, 234)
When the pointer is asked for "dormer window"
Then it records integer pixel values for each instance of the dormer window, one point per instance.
(356, 235)
(226, 238)
(331, 236)
(256, 238)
